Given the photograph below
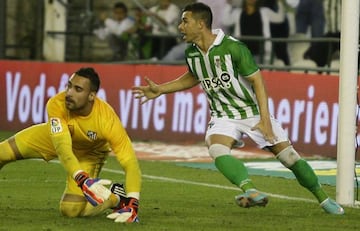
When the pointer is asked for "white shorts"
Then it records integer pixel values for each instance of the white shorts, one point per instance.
(237, 128)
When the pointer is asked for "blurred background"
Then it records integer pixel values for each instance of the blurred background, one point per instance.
(64, 31)
(26, 25)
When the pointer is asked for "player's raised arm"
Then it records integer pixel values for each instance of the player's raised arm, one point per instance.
(153, 90)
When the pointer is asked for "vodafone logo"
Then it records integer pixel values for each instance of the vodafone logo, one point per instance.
(25, 102)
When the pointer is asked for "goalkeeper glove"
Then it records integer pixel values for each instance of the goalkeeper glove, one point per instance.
(128, 213)
(119, 190)
(94, 190)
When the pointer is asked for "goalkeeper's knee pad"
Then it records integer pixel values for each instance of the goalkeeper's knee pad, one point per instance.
(72, 209)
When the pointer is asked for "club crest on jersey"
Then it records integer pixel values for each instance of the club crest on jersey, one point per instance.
(92, 135)
(55, 125)
(218, 62)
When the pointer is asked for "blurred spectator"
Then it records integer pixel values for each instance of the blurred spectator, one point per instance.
(163, 19)
(327, 26)
(279, 30)
(332, 9)
(310, 13)
(115, 30)
(140, 45)
(253, 20)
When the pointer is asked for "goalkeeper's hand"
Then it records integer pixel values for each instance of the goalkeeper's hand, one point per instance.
(128, 213)
(94, 190)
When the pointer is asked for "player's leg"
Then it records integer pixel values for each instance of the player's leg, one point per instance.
(28, 143)
(9, 152)
(232, 168)
(305, 175)
(220, 137)
(75, 205)
(73, 202)
(303, 172)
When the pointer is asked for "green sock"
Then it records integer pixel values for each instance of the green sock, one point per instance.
(235, 171)
(307, 178)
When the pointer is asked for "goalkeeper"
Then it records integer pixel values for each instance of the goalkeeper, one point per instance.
(81, 131)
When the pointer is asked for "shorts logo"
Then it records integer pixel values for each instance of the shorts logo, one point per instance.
(92, 135)
(55, 125)
(211, 124)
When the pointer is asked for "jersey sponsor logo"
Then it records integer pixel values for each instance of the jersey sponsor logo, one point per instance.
(92, 135)
(218, 82)
(55, 125)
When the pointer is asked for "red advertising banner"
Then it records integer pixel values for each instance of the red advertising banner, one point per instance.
(306, 105)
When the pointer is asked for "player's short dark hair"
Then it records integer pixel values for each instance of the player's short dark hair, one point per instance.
(121, 5)
(92, 75)
(201, 11)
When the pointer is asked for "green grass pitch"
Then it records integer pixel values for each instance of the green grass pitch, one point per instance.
(173, 198)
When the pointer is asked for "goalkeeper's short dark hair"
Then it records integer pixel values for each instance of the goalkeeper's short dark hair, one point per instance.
(92, 75)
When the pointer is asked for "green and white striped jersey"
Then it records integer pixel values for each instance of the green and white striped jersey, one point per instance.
(222, 72)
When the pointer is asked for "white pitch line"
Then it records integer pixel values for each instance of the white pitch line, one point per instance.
(173, 180)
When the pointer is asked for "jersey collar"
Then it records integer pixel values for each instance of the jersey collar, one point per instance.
(219, 36)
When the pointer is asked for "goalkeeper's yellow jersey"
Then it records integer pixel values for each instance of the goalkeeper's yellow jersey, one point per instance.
(86, 139)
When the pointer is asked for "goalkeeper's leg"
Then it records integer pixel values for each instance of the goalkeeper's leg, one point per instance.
(17, 147)
(9, 152)
(73, 205)
(92, 211)
(73, 202)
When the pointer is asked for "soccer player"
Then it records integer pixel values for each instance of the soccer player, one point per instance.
(238, 101)
(81, 131)
(115, 30)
